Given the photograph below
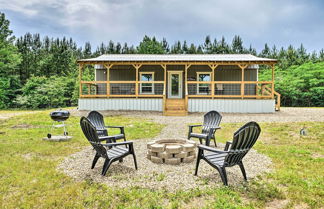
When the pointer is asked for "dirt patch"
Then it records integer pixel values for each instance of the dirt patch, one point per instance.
(277, 204)
(22, 126)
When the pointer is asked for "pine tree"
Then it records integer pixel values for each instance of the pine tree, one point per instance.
(165, 46)
(185, 48)
(111, 47)
(207, 48)
(192, 49)
(86, 51)
(237, 45)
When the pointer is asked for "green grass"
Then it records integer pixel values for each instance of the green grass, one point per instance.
(29, 179)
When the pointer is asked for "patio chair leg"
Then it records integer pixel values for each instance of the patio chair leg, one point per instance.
(105, 167)
(95, 159)
(198, 161)
(222, 173)
(200, 140)
(135, 163)
(243, 170)
(215, 141)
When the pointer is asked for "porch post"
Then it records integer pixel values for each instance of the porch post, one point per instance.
(272, 85)
(242, 81)
(136, 66)
(187, 66)
(213, 67)
(164, 85)
(108, 66)
(80, 79)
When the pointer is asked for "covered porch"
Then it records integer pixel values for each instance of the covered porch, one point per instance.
(175, 85)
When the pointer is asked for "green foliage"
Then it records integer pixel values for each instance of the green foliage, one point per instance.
(150, 46)
(42, 92)
(31, 56)
(9, 57)
(299, 85)
(9, 88)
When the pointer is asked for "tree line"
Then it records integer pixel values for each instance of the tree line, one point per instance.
(41, 72)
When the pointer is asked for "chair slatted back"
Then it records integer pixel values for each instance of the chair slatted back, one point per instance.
(211, 119)
(243, 140)
(91, 134)
(98, 121)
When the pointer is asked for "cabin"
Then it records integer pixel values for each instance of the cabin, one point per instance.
(176, 84)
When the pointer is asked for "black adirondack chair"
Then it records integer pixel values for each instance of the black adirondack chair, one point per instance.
(98, 121)
(110, 151)
(212, 120)
(243, 139)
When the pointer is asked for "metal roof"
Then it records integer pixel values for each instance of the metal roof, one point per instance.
(177, 57)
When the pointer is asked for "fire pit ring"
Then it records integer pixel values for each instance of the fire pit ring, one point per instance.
(171, 151)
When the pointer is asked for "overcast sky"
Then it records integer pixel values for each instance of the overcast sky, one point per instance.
(280, 22)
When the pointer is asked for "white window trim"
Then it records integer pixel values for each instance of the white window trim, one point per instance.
(152, 73)
(199, 73)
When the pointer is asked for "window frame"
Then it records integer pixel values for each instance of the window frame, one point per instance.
(147, 82)
(198, 85)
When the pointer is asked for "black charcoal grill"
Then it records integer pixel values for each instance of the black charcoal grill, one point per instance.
(59, 116)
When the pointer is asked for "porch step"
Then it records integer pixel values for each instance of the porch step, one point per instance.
(175, 113)
(175, 107)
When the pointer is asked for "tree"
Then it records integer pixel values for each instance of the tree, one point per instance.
(150, 46)
(208, 47)
(237, 45)
(9, 61)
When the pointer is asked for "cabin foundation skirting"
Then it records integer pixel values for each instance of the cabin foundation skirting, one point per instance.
(121, 104)
(232, 105)
(194, 105)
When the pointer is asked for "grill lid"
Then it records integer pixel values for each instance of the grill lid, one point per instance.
(60, 115)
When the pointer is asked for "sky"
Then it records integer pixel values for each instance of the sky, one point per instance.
(279, 22)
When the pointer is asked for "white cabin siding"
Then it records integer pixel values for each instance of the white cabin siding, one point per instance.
(121, 104)
(232, 105)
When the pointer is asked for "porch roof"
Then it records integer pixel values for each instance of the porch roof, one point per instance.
(177, 58)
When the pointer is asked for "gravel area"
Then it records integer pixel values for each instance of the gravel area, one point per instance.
(286, 114)
(177, 177)
(158, 176)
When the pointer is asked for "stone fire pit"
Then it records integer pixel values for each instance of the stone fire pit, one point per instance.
(171, 151)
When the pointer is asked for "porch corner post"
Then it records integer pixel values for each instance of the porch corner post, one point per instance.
(242, 81)
(80, 80)
(272, 85)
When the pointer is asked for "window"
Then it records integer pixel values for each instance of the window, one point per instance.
(203, 88)
(147, 88)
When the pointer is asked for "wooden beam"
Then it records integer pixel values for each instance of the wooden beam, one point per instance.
(213, 67)
(187, 66)
(80, 79)
(242, 80)
(272, 86)
(108, 66)
(136, 66)
(164, 85)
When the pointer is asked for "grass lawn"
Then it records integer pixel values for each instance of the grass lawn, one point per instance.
(28, 175)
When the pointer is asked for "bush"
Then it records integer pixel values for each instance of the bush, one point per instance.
(299, 85)
(42, 92)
